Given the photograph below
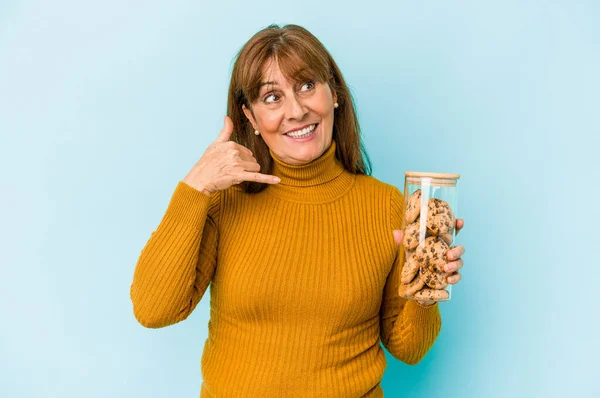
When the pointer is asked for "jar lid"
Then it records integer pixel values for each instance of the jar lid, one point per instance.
(443, 176)
(438, 179)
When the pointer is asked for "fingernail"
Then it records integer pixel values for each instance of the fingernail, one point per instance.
(448, 268)
(277, 179)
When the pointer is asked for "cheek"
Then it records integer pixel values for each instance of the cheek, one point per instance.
(270, 121)
(325, 104)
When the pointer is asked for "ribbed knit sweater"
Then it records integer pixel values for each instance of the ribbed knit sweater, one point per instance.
(304, 283)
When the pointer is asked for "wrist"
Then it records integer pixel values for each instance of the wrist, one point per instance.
(198, 187)
(204, 190)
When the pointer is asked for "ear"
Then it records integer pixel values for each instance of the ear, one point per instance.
(248, 114)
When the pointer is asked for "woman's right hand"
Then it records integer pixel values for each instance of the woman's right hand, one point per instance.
(225, 163)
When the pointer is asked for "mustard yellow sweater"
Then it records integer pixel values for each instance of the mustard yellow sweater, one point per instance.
(303, 280)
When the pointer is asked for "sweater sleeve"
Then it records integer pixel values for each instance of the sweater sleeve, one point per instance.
(408, 329)
(178, 261)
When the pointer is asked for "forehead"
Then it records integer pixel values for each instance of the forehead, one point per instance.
(271, 74)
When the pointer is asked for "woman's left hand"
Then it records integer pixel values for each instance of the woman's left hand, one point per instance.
(453, 254)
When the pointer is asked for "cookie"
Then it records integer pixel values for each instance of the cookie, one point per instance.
(410, 269)
(440, 219)
(431, 257)
(413, 207)
(411, 236)
(432, 273)
(433, 247)
(431, 294)
(407, 290)
(439, 225)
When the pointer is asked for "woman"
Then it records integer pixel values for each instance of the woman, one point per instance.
(300, 245)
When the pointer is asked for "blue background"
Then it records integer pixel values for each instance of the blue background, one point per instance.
(105, 106)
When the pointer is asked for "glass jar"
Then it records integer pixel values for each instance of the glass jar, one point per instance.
(430, 204)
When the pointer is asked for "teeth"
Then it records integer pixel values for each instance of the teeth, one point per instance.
(305, 132)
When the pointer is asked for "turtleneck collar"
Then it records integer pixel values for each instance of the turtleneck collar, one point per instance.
(322, 180)
(324, 168)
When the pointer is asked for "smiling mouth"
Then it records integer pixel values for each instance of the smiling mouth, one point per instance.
(305, 132)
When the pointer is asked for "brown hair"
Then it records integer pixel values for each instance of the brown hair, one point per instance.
(301, 57)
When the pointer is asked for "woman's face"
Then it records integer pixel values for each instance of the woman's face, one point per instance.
(286, 114)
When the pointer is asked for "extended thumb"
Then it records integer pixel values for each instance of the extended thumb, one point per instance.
(225, 133)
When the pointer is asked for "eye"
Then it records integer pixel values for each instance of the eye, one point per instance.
(310, 84)
(270, 98)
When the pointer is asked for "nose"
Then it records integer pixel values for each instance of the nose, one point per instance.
(295, 108)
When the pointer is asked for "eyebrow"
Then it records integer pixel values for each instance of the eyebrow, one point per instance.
(267, 83)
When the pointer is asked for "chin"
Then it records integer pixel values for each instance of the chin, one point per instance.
(302, 154)
(313, 154)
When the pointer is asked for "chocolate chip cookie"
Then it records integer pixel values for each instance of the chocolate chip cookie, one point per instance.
(410, 268)
(413, 207)
(431, 294)
(412, 235)
(431, 257)
(407, 290)
(440, 219)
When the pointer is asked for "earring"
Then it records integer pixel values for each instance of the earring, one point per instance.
(256, 132)
(335, 105)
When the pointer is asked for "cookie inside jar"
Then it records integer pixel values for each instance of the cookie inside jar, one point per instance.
(429, 228)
